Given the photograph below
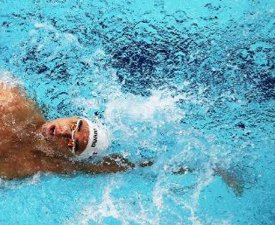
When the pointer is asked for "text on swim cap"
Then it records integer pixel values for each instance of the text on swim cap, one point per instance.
(95, 138)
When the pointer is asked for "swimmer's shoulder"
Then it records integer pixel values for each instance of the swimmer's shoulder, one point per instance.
(11, 96)
(15, 102)
(10, 87)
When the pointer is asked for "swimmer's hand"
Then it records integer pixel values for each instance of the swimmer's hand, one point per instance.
(146, 163)
(116, 159)
(117, 163)
(231, 180)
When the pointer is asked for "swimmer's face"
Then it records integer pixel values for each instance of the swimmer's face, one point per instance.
(59, 134)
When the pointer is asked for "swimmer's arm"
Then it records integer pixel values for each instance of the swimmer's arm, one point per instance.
(19, 170)
(231, 180)
(65, 166)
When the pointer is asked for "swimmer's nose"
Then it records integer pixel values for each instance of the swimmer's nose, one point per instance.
(63, 131)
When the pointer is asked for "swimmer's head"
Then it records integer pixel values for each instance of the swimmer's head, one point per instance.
(99, 139)
(76, 136)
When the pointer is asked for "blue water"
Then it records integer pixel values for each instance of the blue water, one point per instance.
(181, 83)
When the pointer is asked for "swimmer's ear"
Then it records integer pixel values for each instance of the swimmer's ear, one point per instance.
(231, 180)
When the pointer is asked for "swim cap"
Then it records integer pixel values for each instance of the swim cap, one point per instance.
(99, 139)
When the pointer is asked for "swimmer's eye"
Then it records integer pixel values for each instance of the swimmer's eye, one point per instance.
(73, 143)
(76, 148)
(77, 125)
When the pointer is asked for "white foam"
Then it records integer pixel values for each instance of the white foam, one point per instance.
(8, 80)
(144, 109)
(111, 207)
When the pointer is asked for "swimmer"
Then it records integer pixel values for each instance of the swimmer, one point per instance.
(30, 144)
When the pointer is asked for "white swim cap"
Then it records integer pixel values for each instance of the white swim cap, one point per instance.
(99, 139)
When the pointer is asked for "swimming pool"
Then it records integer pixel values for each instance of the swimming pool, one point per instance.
(182, 83)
